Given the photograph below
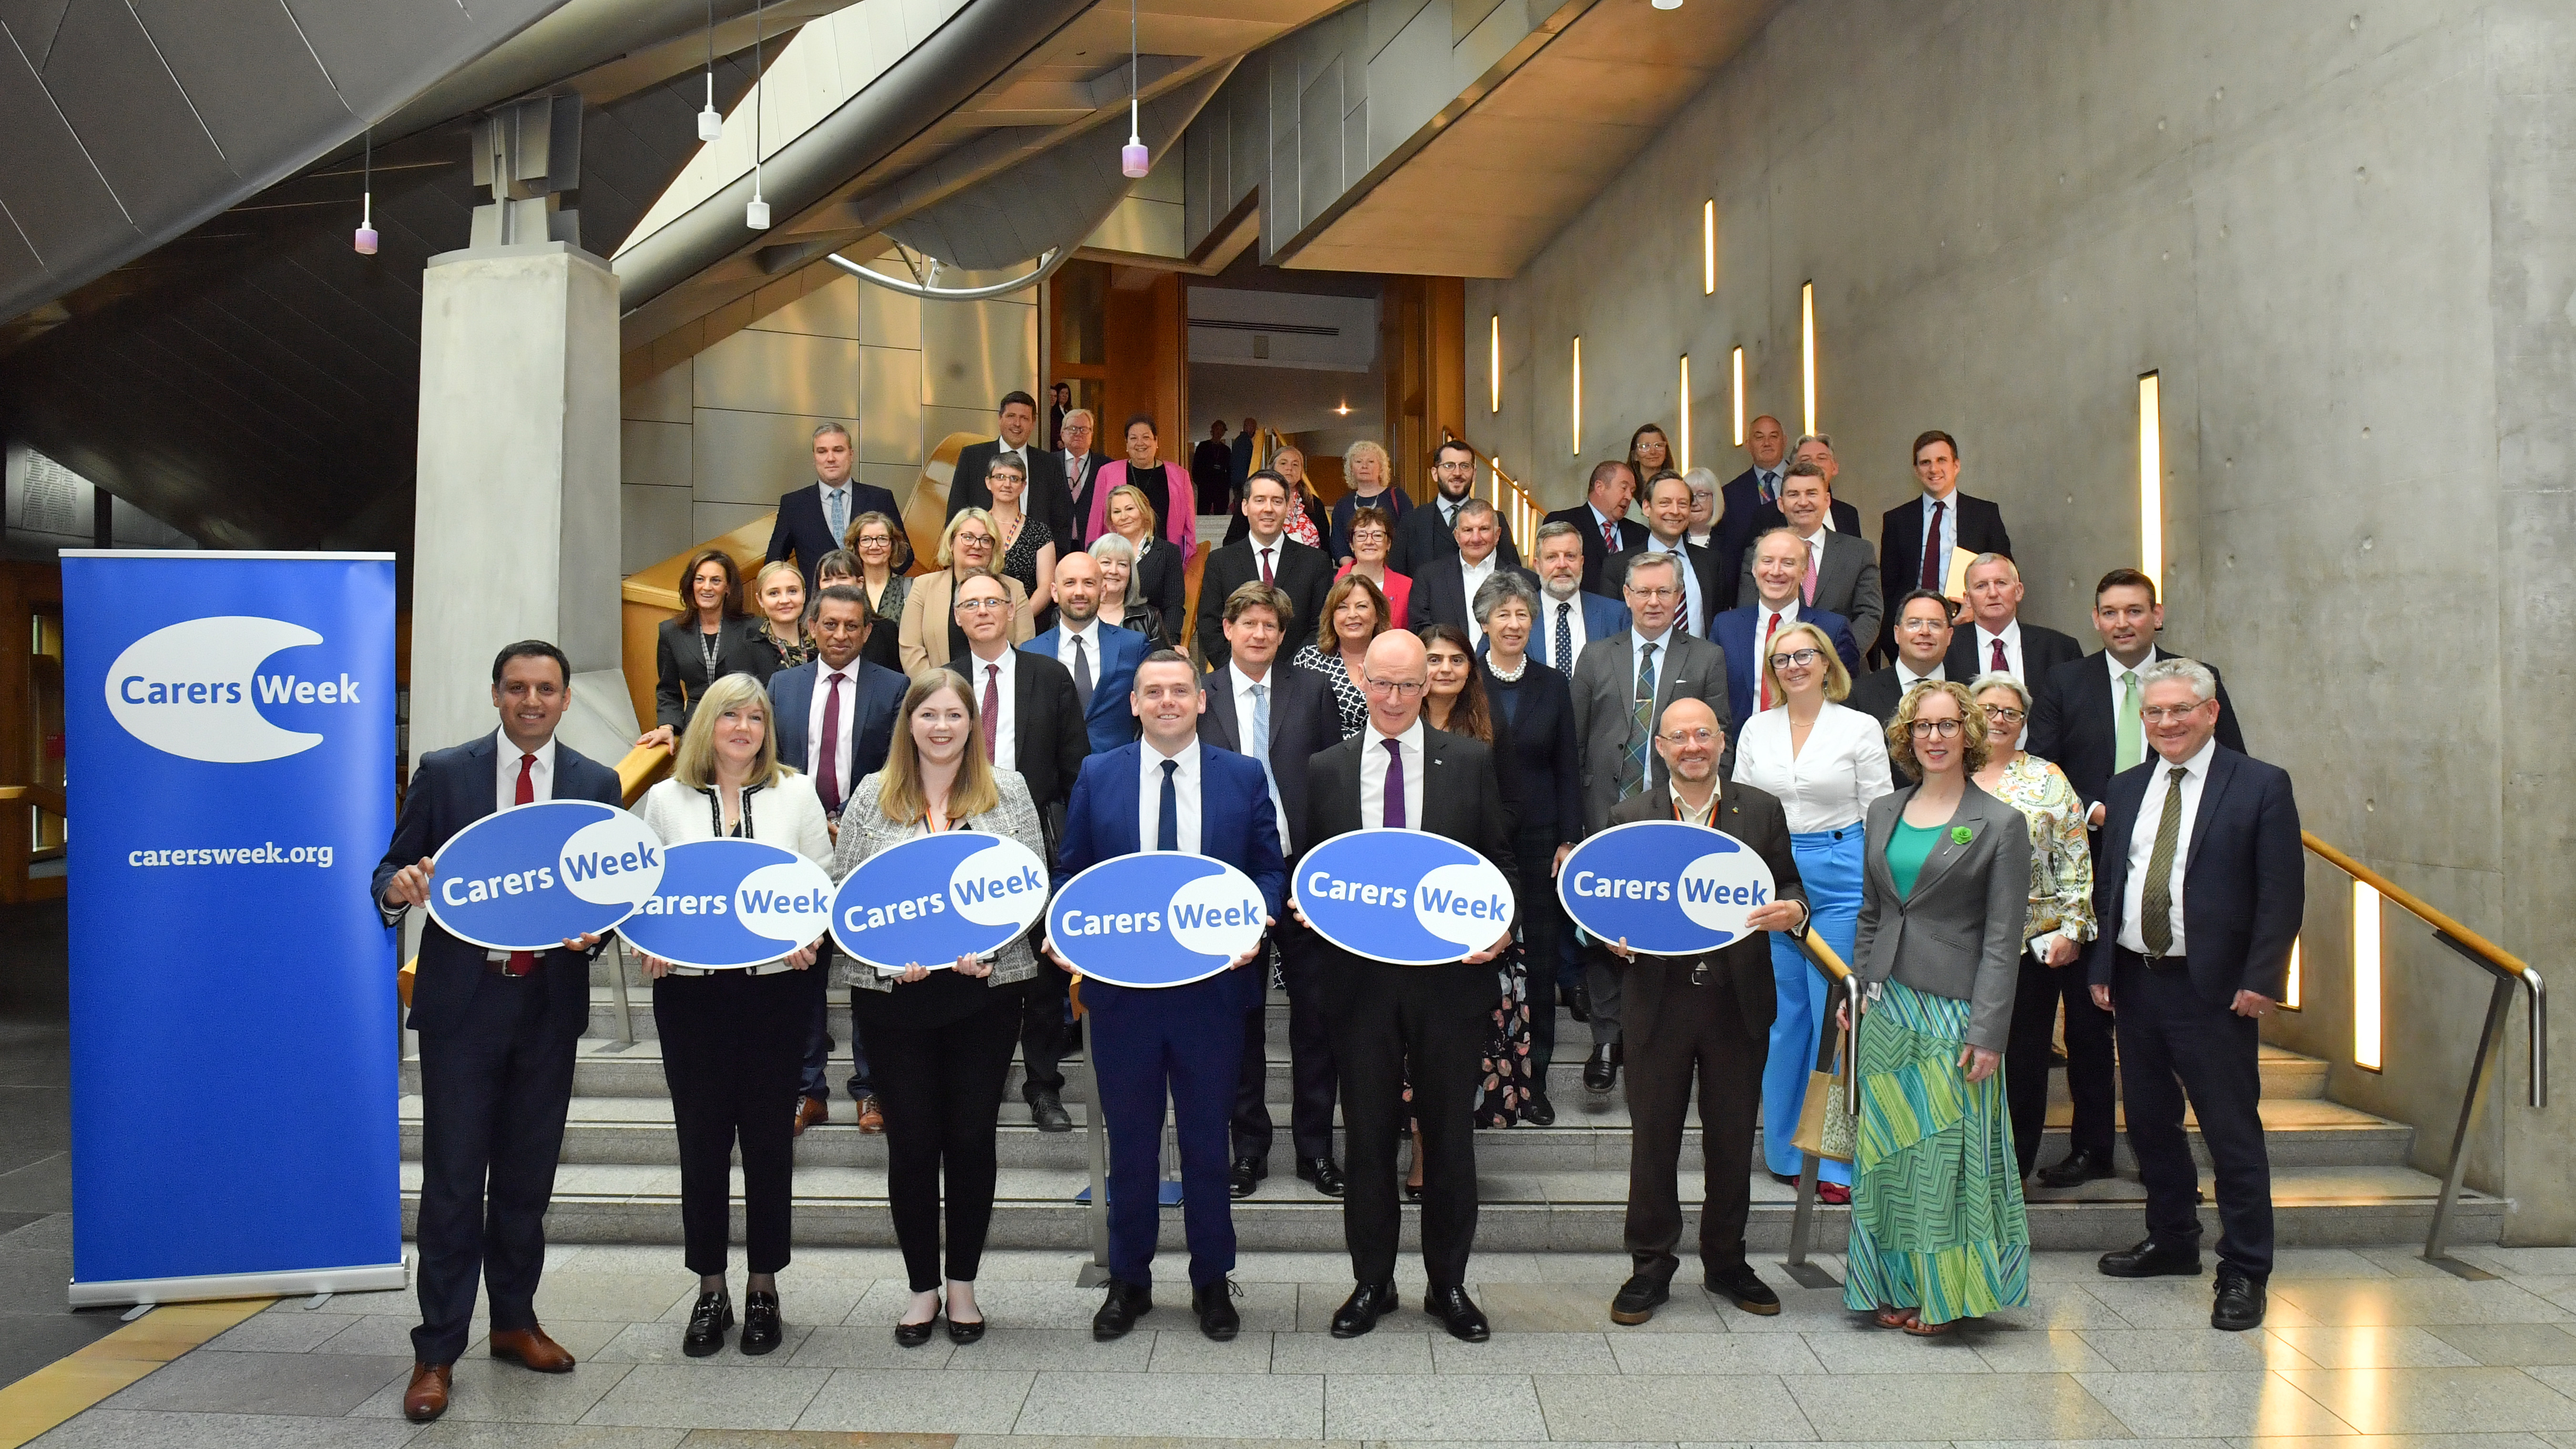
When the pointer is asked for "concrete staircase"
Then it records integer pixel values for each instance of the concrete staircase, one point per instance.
(2340, 1176)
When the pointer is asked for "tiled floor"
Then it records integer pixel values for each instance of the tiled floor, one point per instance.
(2360, 1343)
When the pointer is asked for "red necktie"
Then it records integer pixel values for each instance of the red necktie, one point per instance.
(1610, 535)
(1265, 568)
(1932, 550)
(523, 962)
(1999, 666)
(1762, 665)
(827, 764)
(992, 708)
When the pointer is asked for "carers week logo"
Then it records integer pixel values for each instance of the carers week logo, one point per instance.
(1666, 888)
(1159, 918)
(1404, 897)
(730, 902)
(534, 876)
(935, 898)
(196, 688)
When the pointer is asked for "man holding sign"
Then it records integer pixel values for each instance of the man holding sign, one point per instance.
(1710, 1013)
(1168, 793)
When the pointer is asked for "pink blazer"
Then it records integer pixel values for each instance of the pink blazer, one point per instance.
(1180, 520)
(1398, 591)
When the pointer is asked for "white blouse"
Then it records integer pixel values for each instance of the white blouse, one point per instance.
(1830, 783)
(788, 814)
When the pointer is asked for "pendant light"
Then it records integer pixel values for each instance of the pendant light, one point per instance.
(365, 241)
(1132, 160)
(710, 125)
(756, 215)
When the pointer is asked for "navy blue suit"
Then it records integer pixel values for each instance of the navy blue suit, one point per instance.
(880, 698)
(496, 1057)
(1186, 1041)
(1603, 618)
(1110, 722)
(803, 531)
(1732, 631)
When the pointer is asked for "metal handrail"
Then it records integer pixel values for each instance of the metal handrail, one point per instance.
(1802, 1224)
(2510, 971)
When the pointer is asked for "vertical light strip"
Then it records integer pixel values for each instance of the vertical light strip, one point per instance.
(1578, 394)
(2290, 992)
(1494, 364)
(1686, 410)
(1739, 397)
(2151, 481)
(1708, 248)
(2365, 976)
(1807, 348)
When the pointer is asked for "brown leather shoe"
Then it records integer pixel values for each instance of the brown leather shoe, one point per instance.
(810, 1111)
(532, 1349)
(426, 1399)
(871, 1117)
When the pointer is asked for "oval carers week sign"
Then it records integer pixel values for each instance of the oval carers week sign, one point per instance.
(728, 903)
(1403, 897)
(1668, 888)
(534, 876)
(935, 898)
(1156, 919)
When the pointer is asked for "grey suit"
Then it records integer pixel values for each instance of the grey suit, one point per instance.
(1959, 933)
(1846, 584)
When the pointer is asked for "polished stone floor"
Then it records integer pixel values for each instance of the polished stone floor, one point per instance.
(35, 1148)
(2360, 1342)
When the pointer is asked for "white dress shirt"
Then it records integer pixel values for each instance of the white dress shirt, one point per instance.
(2011, 637)
(1246, 709)
(824, 494)
(815, 744)
(1373, 776)
(1006, 740)
(2142, 843)
(1949, 537)
(1694, 608)
(1185, 795)
(1826, 786)
(1764, 633)
(1088, 636)
(1472, 576)
(1906, 678)
(541, 777)
(1543, 632)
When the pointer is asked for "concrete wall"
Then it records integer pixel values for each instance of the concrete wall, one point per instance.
(2347, 243)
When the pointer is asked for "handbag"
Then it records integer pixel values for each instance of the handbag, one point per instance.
(1828, 1127)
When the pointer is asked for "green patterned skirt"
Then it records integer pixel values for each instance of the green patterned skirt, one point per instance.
(1937, 1220)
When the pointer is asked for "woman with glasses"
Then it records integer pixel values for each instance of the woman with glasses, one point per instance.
(1539, 754)
(1825, 763)
(881, 557)
(2061, 901)
(1938, 1231)
(930, 636)
(1354, 613)
(1372, 535)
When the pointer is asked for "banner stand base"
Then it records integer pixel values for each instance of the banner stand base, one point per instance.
(285, 1283)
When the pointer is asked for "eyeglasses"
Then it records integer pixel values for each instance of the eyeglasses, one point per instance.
(985, 539)
(1940, 729)
(1658, 595)
(1679, 738)
(979, 605)
(1796, 658)
(1400, 688)
(1923, 626)
(2159, 714)
(2004, 712)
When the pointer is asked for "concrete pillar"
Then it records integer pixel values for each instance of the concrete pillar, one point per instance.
(516, 531)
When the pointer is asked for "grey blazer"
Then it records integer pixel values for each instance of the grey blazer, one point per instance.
(1959, 934)
(1605, 686)
(865, 831)
(1847, 584)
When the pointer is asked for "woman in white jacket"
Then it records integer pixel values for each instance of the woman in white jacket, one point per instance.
(733, 1041)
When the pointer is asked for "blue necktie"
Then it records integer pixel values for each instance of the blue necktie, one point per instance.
(1261, 737)
(1167, 825)
(835, 497)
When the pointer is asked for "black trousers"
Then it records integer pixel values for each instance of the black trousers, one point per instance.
(2175, 1044)
(1542, 924)
(493, 1096)
(941, 1087)
(2036, 996)
(1429, 1021)
(733, 1050)
(1310, 1055)
(1698, 1029)
(1043, 1032)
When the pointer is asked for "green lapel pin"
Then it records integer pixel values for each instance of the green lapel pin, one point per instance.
(1960, 835)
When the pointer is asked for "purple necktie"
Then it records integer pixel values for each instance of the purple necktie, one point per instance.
(1394, 784)
(827, 764)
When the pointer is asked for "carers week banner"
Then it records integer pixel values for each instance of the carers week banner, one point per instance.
(231, 756)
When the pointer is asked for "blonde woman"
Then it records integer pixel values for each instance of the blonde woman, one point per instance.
(733, 1041)
(1160, 573)
(939, 1036)
(929, 636)
(1371, 473)
(778, 591)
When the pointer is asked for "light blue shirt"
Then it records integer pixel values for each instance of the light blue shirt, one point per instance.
(1697, 612)
(1949, 534)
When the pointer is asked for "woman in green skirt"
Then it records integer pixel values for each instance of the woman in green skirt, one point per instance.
(1938, 1233)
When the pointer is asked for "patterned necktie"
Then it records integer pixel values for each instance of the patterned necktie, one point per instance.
(839, 502)
(992, 709)
(2132, 746)
(1081, 675)
(1393, 816)
(827, 750)
(1266, 576)
(1565, 640)
(1998, 664)
(1642, 726)
(1932, 550)
(2155, 899)
(1762, 661)
(1610, 534)
(1682, 605)
(1770, 486)
(1167, 822)
(523, 962)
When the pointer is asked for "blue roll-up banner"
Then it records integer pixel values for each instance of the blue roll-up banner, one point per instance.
(935, 898)
(231, 766)
(1665, 887)
(728, 902)
(1404, 897)
(1157, 919)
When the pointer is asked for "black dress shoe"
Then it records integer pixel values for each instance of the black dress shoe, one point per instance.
(2239, 1305)
(1413, 1192)
(914, 1335)
(1047, 1109)
(1639, 1297)
(1538, 1111)
(1578, 1004)
(1320, 1171)
(2149, 1260)
(1360, 1312)
(1600, 1071)
(707, 1324)
(1214, 1303)
(1118, 1313)
(761, 1325)
(2077, 1168)
(1244, 1176)
(1745, 1289)
(1458, 1313)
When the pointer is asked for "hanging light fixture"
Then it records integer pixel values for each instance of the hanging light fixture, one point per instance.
(365, 241)
(756, 215)
(1132, 160)
(710, 125)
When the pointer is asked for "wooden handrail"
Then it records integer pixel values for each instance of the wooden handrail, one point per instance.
(1826, 958)
(2422, 910)
(644, 767)
(43, 797)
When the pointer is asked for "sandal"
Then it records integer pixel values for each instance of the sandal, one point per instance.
(1893, 1317)
(1920, 1329)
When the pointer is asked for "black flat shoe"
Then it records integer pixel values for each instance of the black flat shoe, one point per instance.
(1638, 1298)
(1360, 1312)
(2239, 1305)
(914, 1335)
(1459, 1314)
(1578, 1004)
(1118, 1313)
(1413, 1192)
(1321, 1171)
(2076, 1169)
(1214, 1304)
(1601, 1070)
(1538, 1111)
(2147, 1260)
(707, 1324)
(965, 1332)
(761, 1326)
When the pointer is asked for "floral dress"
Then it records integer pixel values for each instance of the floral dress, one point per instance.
(2061, 863)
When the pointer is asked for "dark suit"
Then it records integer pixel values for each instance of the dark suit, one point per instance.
(1302, 573)
(1046, 497)
(1710, 1014)
(1596, 549)
(1177, 1040)
(1900, 547)
(1742, 522)
(2042, 650)
(804, 532)
(496, 1056)
(1440, 593)
(1734, 632)
(1161, 580)
(868, 717)
(1703, 567)
(2243, 895)
(1428, 1019)
(1079, 476)
(1303, 719)
(1879, 692)
(1846, 518)
(1111, 720)
(680, 667)
(1425, 533)
(1846, 584)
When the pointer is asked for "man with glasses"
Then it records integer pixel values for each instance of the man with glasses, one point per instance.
(1081, 473)
(1425, 534)
(1623, 684)
(1922, 641)
(1708, 1014)
(2200, 895)
(1668, 510)
(1778, 571)
(1419, 1024)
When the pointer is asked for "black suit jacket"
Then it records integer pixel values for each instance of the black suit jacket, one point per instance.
(1421, 535)
(452, 789)
(1754, 817)
(2071, 722)
(680, 669)
(1440, 591)
(2042, 651)
(805, 534)
(1049, 738)
(1045, 499)
(1632, 534)
(1703, 562)
(1768, 516)
(1877, 693)
(1460, 796)
(1302, 573)
(1900, 547)
(1080, 492)
(2244, 878)
(1161, 580)
(1737, 527)
(1303, 720)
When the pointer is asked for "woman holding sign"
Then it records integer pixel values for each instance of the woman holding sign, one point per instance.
(1938, 1232)
(733, 1041)
(1825, 764)
(939, 1036)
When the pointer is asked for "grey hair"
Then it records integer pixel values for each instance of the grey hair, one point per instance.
(1112, 545)
(1699, 478)
(1476, 508)
(1806, 438)
(821, 428)
(1501, 589)
(1554, 528)
(1983, 559)
(1082, 413)
(1656, 560)
(2204, 684)
(1998, 679)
